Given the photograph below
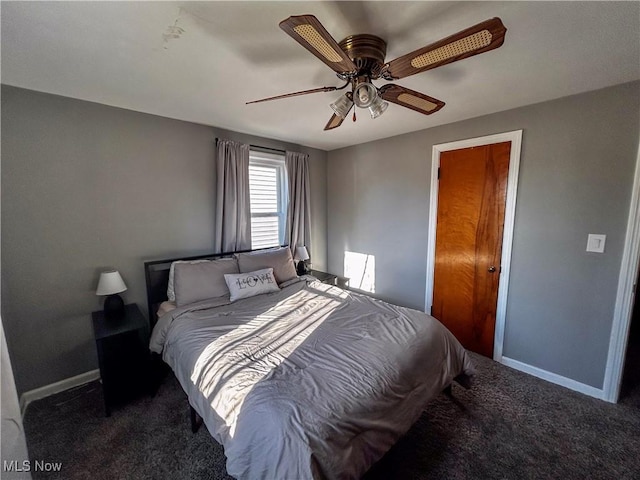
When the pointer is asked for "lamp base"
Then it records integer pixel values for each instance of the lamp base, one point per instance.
(302, 269)
(113, 307)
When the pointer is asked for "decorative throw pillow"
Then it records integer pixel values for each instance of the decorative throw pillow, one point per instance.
(199, 281)
(245, 285)
(279, 259)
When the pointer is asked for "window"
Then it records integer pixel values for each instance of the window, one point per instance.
(269, 198)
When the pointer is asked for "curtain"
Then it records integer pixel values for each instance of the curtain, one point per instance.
(298, 231)
(233, 208)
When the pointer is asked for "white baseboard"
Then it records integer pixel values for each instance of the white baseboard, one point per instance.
(555, 378)
(36, 394)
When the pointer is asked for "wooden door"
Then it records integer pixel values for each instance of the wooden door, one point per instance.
(472, 192)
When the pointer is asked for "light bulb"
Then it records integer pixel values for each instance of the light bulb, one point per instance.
(365, 94)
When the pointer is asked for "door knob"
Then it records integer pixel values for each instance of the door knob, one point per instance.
(492, 269)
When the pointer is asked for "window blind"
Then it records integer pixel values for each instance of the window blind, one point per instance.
(267, 214)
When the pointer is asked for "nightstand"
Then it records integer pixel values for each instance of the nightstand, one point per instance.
(123, 355)
(330, 278)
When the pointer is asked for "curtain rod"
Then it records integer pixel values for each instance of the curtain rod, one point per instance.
(269, 149)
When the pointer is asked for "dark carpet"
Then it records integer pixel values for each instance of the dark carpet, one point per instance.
(508, 426)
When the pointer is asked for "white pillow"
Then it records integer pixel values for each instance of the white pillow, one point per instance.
(171, 293)
(165, 307)
(245, 285)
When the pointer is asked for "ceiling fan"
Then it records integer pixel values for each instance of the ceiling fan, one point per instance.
(359, 59)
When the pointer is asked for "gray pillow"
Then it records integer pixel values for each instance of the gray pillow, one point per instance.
(279, 259)
(199, 281)
(171, 293)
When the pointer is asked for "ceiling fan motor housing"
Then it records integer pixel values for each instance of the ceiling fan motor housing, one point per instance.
(367, 52)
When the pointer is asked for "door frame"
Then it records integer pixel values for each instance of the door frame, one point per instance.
(627, 289)
(515, 137)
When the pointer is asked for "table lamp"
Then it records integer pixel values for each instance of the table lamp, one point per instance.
(110, 285)
(302, 255)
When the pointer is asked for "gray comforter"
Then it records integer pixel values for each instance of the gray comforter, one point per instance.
(309, 382)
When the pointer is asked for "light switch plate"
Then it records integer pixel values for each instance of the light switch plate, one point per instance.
(595, 242)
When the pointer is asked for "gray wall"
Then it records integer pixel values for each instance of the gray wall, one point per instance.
(86, 186)
(576, 174)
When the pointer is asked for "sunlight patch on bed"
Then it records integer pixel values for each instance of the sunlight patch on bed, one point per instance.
(230, 367)
(360, 269)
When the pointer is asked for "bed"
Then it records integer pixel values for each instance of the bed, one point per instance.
(302, 380)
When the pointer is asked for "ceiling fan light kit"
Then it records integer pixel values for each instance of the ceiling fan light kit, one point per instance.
(360, 59)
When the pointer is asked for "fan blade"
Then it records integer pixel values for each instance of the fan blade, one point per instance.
(480, 38)
(309, 32)
(334, 122)
(295, 94)
(410, 98)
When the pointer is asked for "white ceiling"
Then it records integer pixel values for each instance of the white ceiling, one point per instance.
(232, 52)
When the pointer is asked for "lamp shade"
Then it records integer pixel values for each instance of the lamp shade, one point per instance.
(378, 107)
(342, 106)
(110, 283)
(365, 94)
(301, 253)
